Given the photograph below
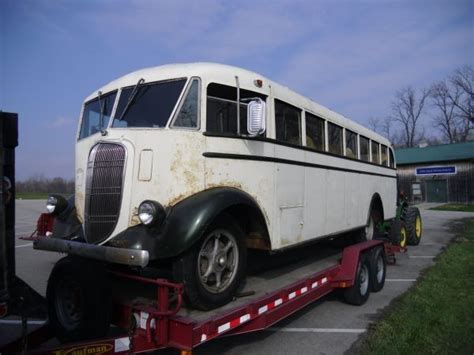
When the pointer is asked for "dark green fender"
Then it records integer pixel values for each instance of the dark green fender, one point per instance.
(185, 223)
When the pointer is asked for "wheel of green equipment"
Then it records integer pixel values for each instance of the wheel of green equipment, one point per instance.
(413, 225)
(403, 235)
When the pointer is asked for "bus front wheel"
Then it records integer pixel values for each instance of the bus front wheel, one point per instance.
(213, 269)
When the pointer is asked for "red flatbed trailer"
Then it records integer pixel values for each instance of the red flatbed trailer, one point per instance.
(145, 326)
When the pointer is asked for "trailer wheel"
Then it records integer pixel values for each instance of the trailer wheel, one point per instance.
(78, 299)
(378, 269)
(413, 225)
(213, 269)
(358, 293)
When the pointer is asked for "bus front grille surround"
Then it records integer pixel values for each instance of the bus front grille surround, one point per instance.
(104, 182)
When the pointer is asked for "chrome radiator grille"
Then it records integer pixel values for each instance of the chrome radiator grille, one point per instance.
(103, 190)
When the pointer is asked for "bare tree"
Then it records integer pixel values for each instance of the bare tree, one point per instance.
(463, 80)
(374, 124)
(39, 183)
(407, 109)
(449, 119)
(385, 127)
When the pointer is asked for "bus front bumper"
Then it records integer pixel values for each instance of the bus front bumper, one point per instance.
(131, 257)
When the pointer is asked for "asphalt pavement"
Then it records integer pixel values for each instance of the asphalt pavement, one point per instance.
(325, 327)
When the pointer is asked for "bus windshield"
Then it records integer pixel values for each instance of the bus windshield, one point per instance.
(151, 105)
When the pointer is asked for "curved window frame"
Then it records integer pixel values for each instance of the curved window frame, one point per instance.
(112, 112)
(181, 101)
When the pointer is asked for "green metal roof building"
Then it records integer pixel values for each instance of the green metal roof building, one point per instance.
(441, 173)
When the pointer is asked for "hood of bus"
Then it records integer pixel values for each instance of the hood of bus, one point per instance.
(160, 164)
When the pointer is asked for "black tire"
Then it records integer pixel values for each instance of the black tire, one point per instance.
(201, 291)
(79, 303)
(359, 293)
(414, 226)
(398, 232)
(378, 269)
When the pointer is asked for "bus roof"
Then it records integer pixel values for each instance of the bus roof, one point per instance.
(221, 73)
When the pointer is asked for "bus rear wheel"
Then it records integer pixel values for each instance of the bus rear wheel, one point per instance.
(213, 269)
(371, 230)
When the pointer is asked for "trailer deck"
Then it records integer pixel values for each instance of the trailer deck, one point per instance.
(155, 317)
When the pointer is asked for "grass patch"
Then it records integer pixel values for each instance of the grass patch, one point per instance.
(454, 207)
(436, 316)
(31, 196)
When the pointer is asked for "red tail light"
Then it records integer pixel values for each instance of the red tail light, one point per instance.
(45, 224)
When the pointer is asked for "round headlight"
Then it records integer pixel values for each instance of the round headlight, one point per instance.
(56, 204)
(146, 212)
(51, 204)
(150, 212)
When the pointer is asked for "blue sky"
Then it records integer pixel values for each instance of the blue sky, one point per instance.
(348, 55)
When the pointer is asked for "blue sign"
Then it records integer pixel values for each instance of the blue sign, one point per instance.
(436, 170)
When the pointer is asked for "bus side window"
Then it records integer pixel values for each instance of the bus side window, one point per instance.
(351, 144)
(384, 155)
(375, 152)
(314, 132)
(392, 159)
(288, 123)
(364, 149)
(335, 138)
(222, 109)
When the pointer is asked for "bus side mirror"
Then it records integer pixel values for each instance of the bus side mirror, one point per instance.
(256, 117)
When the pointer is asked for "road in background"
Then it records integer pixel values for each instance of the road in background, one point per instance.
(326, 327)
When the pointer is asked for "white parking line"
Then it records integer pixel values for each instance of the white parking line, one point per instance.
(18, 321)
(422, 256)
(318, 330)
(400, 280)
(24, 245)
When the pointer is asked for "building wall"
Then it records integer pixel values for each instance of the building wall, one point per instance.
(460, 186)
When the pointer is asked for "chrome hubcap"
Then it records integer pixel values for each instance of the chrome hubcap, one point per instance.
(364, 280)
(380, 269)
(218, 261)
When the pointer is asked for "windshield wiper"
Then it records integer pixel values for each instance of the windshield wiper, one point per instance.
(131, 98)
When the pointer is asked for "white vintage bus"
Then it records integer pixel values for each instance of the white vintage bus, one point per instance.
(193, 164)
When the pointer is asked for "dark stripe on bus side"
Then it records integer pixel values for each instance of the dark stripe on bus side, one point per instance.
(295, 146)
(286, 161)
